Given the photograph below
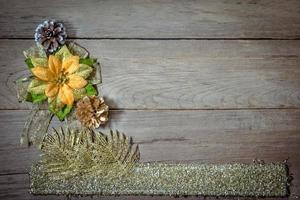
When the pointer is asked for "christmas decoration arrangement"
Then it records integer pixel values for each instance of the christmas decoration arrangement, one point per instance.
(62, 82)
(79, 160)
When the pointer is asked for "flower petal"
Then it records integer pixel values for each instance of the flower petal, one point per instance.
(54, 65)
(55, 104)
(43, 73)
(71, 64)
(66, 95)
(84, 71)
(39, 62)
(37, 86)
(76, 82)
(63, 53)
(51, 90)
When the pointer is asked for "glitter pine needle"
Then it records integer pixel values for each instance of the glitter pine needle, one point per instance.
(69, 153)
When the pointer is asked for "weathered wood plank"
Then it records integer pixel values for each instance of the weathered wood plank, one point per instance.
(184, 136)
(182, 74)
(156, 19)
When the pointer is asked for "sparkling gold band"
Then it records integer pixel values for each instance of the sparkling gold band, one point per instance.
(264, 180)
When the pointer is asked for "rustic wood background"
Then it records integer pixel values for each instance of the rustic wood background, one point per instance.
(213, 81)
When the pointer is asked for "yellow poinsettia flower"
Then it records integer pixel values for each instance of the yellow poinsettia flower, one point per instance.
(60, 78)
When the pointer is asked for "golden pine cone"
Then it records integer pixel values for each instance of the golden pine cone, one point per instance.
(92, 111)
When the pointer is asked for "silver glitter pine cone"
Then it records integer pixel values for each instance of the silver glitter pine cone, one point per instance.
(51, 35)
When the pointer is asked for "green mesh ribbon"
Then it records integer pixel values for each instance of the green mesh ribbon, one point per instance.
(36, 127)
(263, 180)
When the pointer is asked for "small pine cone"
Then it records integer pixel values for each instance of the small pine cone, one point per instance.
(92, 111)
(51, 35)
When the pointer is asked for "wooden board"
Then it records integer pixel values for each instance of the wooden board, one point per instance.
(180, 74)
(156, 19)
(192, 81)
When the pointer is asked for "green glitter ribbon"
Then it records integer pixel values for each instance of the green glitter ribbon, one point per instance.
(263, 180)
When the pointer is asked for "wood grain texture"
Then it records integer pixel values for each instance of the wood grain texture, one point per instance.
(180, 74)
(183, 136)
(187, 79)
(156, 19)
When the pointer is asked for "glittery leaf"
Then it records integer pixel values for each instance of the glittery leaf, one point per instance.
(70, 153)
(55, 104)
(84, 71)
(36, 51)
(63, 112)
(87, 61)
(29, 63)
(58, 108)
(21, 87)
(79, 93)
(63, 53)
(35, 98)
(96, 77)
(90, 90)
(75, 49)
(37, 86)
(39, 62)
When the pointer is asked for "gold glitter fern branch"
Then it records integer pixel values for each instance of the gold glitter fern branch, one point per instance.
(69, 153)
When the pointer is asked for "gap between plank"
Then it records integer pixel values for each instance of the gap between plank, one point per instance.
(141, 38)
(14, 174)
(174, 109)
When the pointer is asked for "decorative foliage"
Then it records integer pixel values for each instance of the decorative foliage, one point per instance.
(92, 111)
(69, 153)
(61, 78)
(50, 34)
(62, 73)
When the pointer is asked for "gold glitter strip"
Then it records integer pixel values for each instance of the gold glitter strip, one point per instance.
(263, 180)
